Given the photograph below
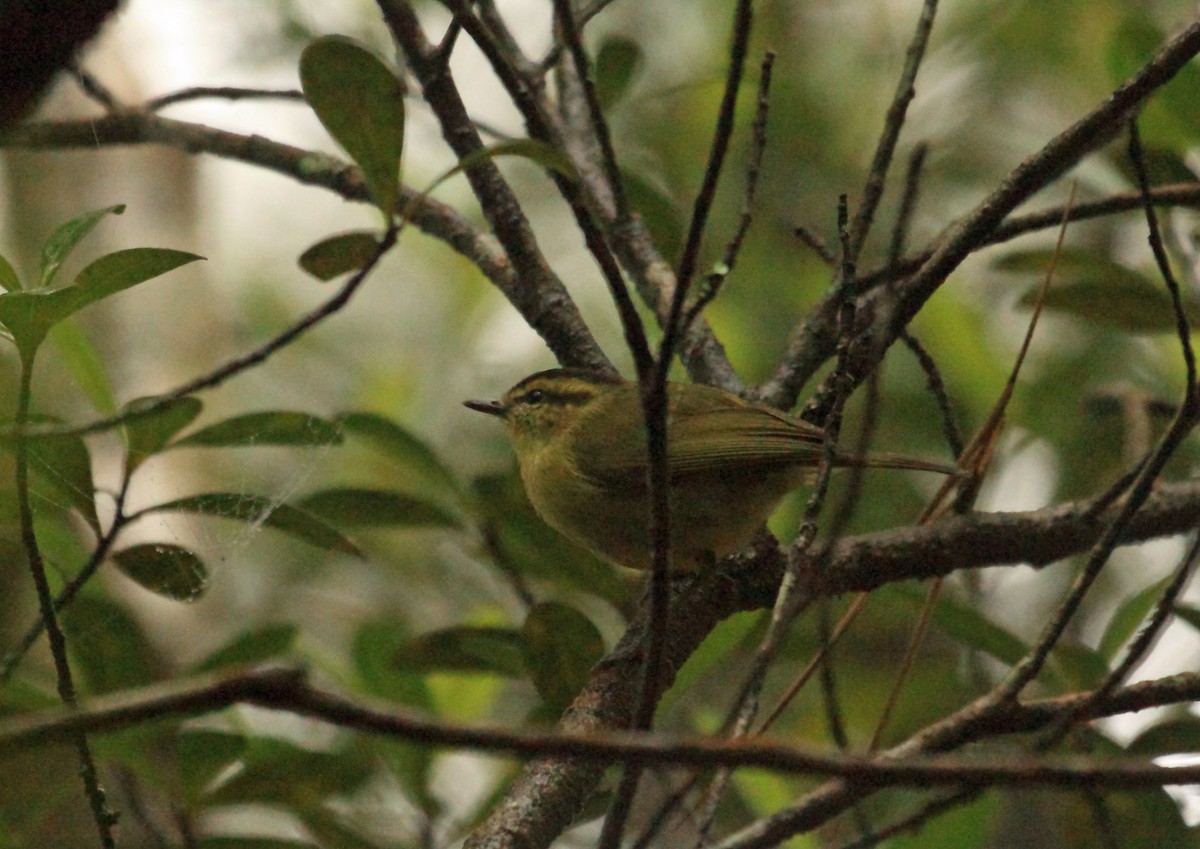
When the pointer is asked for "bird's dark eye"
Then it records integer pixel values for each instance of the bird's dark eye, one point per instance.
(536, 396)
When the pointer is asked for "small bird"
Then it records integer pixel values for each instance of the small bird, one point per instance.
(580, 440)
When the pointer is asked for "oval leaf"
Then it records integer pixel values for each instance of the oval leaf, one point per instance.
(167, 570)
(464, 649)
(360, 101)
(617, 63)
(561, 647)
(64, 240)
(272, 427)
(375, 507)
(340, 254)
(260, 510)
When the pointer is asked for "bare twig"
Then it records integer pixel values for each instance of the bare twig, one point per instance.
(884, 150)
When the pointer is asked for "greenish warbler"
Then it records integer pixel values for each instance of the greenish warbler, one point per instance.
(580, 440)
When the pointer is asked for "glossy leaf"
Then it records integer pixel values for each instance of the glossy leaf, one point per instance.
(464, 649)
(340, 254)
(167, 570)
(30, 315)
(360, 101)
(273, 427)
(250, 647)
(375, 508)
(401, 446)
(65, 239)
(83, 361)
(147, 435)
(617, 63)
(260, 510)
(561, 647)
(9, 281)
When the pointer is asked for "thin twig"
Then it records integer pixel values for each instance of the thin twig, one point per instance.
(897, 111)
(185, 95)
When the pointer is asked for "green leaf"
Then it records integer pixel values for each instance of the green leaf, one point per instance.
(146, 435)
(375, 507)
(375, 647)
(1083, 666)
(340, 254)
(9, 281)
(464, 649)
(64, 468)
(202, 754)
(272, 427)
(251, 647)
(400, 445)
(561, 647)
(1188, 613)
(244, 842)
(30, 315)
(1169, 737)
(546, 155)
(64, 240)
(964, 624)
(617, 63)
(1097, 289)
(1126, 619)
(534, 548)
(360, 101)
(261, 510)
(167, 570)
(275, 771)
(1171, 118)
(85, 365)
(107, 645)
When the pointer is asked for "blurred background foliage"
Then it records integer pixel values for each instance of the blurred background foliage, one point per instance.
(449, 594)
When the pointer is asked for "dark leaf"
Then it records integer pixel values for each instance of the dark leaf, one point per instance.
(464, 649)
(164, 569)
(375, 508)
(9, 281)
(251, 647)
(360, 101)
(273, 427)
(340, 254)
(617, 63)
(259, 509)
(561, 647)
(400, 445)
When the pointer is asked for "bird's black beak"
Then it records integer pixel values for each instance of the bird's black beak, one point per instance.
(492, 408)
